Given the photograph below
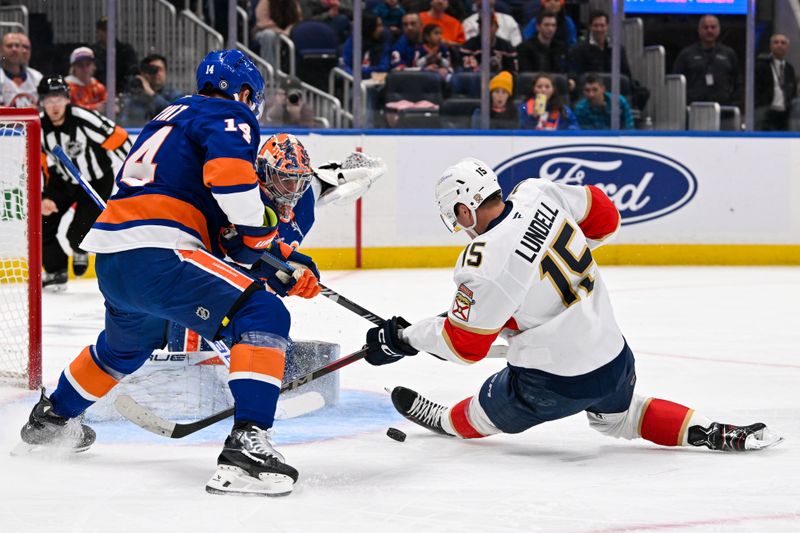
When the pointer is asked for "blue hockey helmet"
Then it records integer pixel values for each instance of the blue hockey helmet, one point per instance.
(229, 71)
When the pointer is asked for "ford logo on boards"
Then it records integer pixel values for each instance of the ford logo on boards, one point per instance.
(643, 185)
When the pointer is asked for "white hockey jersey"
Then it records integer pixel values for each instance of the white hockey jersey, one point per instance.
(26, 94)
(532, 277)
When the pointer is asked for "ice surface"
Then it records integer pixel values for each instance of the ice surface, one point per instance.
(722, 340)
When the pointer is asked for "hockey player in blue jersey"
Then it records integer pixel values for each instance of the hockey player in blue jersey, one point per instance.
(160, 256)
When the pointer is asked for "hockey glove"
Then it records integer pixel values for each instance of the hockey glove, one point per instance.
(343, 182)
(245, 244)
(304, 282)
(385, 343)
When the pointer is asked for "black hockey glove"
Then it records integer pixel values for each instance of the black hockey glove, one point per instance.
(385, 345)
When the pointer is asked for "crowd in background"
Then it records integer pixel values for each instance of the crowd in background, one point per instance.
(569, 54)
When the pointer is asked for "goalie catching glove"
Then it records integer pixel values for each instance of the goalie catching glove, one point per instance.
(303, 282)
(245, 244)
(342, 182)
(385, 343)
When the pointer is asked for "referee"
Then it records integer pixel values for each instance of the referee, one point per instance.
(89, 139)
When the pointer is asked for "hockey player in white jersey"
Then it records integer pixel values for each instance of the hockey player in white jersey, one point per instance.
(528, 274)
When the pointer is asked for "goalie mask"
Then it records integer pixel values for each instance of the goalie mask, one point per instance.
(284, 172)
(468, 182)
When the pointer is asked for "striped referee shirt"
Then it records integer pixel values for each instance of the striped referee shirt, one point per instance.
(88, 138)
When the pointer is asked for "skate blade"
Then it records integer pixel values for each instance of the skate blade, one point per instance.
(767, 443)
(233, 481)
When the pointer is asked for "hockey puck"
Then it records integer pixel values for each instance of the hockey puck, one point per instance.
(396, 434)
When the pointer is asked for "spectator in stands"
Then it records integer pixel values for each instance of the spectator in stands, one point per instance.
(504, 56)
(392, 16)
(566, 32)
(84, 89)
(545, 108)
(452, 30)
(594, 55)
(273, 19)
(147, 93)
(289, 107)
(336, 16)
(18, 82)
(711, 68)
(503, 114)
(125, 56)
(776, 86)
(435, 55)
(375, 51)
(408, 48)
(594, 110)
(308, 8)
(542, 53)
(507, 27)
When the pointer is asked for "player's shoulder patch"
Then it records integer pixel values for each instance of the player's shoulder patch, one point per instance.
(462, 303)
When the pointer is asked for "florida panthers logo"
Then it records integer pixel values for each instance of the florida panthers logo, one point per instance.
(462, 303)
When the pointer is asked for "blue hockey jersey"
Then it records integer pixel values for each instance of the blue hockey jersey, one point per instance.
(190, 174)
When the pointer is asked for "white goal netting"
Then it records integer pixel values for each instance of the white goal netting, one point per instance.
(15, 311)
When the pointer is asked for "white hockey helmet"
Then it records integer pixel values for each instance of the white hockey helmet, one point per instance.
(468, 182)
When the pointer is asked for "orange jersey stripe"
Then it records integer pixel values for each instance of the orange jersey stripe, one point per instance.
(258, 359)
(116, 139)
(470, 346)
(227, 171)
(90, 376)
(156, 207)
(217, 267)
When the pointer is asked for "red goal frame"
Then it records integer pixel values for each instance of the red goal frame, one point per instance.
(33, 133)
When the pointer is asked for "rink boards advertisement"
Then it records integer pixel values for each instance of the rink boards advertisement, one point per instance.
(683, 199)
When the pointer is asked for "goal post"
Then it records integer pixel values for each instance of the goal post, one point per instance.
(20, 248)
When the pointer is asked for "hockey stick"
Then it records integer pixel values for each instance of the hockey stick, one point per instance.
(73, 170)
(146, 419)
(218, 346)
(329, 293)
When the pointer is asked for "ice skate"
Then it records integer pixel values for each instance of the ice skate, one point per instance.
(80, 262)
(419, 409)
(55, 281)
(250, 466)
(730, 438)
(45, 429)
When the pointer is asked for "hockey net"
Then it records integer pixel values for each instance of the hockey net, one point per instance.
(20, 248)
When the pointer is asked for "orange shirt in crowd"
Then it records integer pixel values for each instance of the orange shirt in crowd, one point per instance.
(452, 30)
(91, 96)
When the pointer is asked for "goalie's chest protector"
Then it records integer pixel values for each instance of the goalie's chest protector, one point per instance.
(294, 231)
(535, 265)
